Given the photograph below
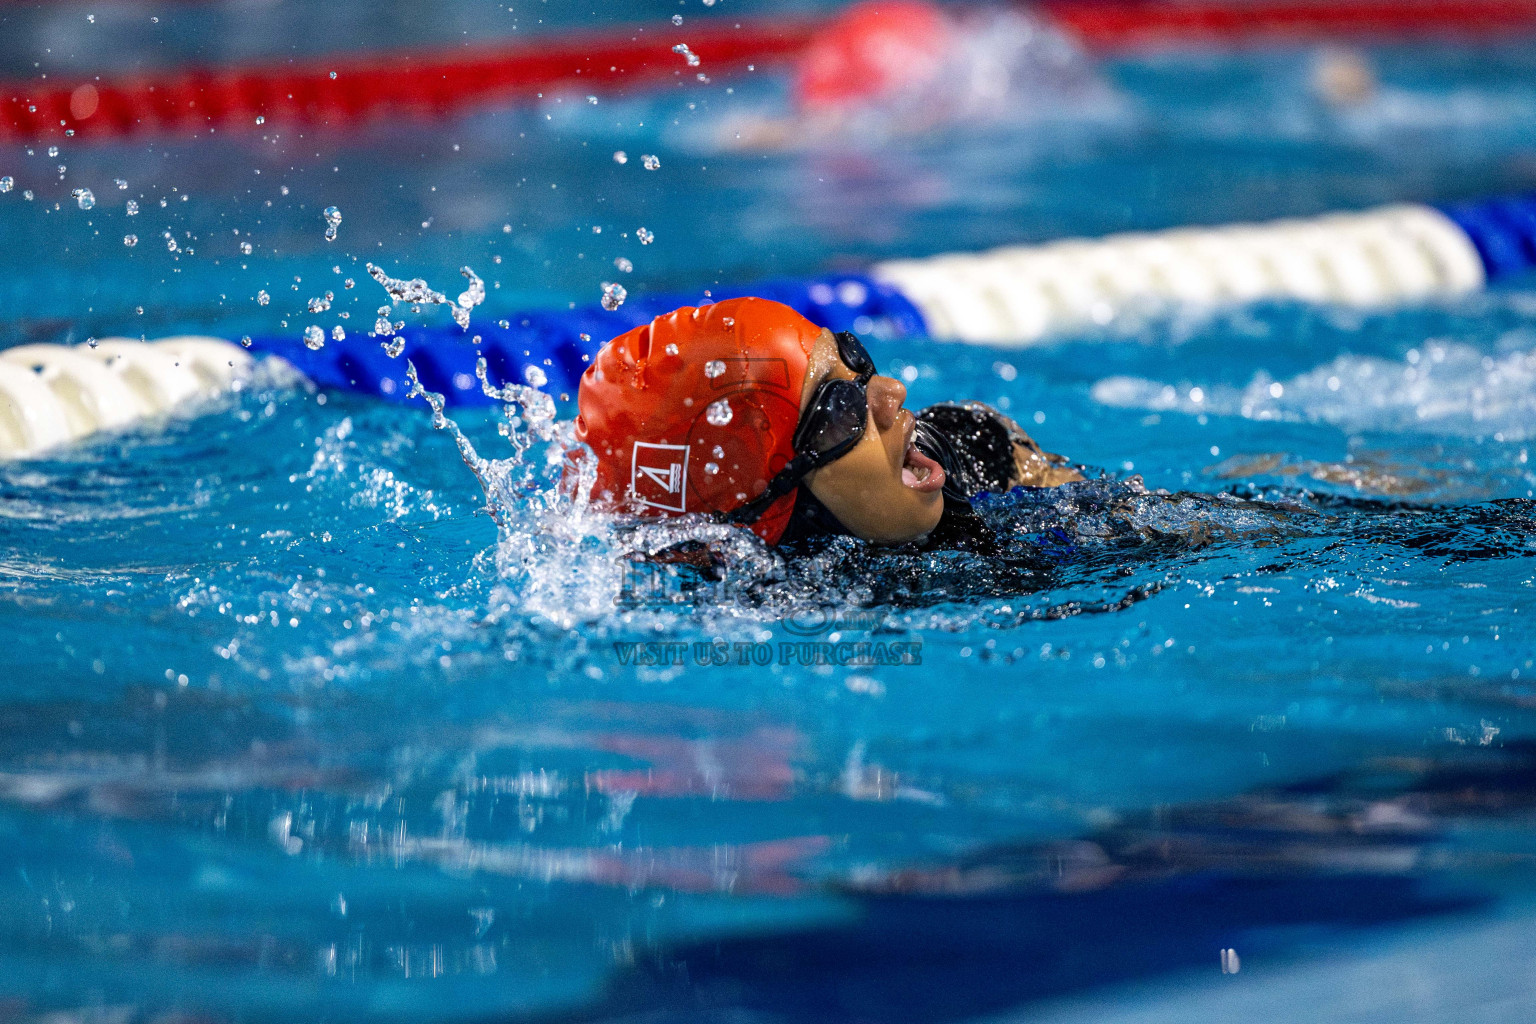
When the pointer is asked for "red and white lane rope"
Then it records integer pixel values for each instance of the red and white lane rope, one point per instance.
(346, 91)
(343, 91)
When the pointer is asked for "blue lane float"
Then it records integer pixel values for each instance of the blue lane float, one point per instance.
(561, 341)
(1010, 297)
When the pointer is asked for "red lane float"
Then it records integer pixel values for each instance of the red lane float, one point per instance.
(384, 85)
(1120, 23)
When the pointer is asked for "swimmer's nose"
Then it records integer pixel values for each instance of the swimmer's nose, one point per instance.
(885, 398)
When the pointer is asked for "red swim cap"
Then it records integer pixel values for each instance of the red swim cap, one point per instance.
(872, 50)
(694, 411)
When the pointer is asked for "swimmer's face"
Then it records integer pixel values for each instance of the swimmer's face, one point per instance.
(883, 490)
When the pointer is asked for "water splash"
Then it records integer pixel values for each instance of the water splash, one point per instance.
(472, 295)
(415, 291)
(1445, 388)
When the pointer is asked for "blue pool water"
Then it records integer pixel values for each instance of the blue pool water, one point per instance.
(290, 730)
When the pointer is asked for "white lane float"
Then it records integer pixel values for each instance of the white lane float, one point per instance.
(52, 395)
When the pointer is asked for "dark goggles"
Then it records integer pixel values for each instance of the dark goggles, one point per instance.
(829, 428)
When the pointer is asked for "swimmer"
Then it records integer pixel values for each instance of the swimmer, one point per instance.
(884, 68)
(746, 411)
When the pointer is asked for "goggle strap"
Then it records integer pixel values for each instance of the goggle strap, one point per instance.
(782, 483)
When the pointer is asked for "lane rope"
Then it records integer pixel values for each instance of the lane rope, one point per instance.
(1013, 297)
(376, 86)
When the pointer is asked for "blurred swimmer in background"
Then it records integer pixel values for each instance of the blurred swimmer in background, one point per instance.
(884, 68)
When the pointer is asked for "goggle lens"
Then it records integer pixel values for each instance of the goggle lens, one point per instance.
(837, 415)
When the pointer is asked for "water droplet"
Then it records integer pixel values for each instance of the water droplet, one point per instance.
(613, 296)
(91, 342)
(245, 248)
(314, 337)
(671, 350)
(535, 376)
(27, 195)
(332, 216)
(620, 157)
(333, 76)
(338, 333)
(245, 339)
(718, 452)
(687, 54)
(646, 238)
(130, 240)
(283, 190)
(84, 197)
(260, 119)
(624, 264)
(650, 161)
(719, 413)
(320, 305)
(714, 368)
(710, 469)
(133, 208)
(7, 183)
(728, 321)
(677, 19)
(53, 150)
(122, 186)
(592, 100)
(262, 298)
(393, 347)
(91, 18)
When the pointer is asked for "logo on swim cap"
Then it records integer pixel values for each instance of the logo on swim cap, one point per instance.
(658, 476)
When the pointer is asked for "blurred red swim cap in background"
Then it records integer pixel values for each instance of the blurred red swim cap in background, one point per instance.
(694, 411)
(872, 50)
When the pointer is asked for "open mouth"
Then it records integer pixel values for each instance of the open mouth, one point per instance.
(919, 471)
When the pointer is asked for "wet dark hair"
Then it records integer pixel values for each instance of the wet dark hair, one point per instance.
(980, 441)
